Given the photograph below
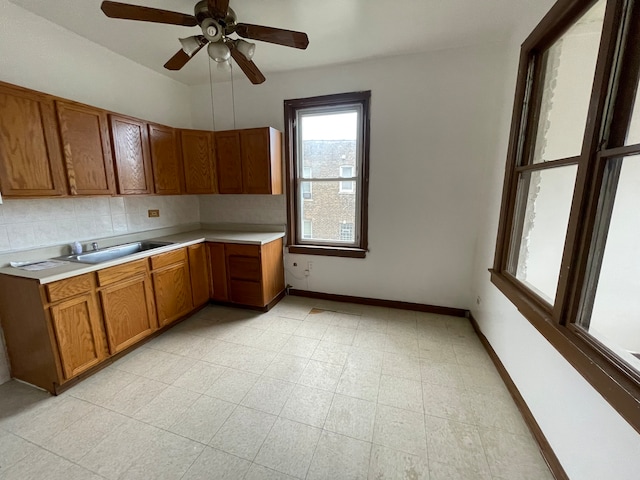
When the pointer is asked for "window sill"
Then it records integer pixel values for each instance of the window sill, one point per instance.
(328, 251)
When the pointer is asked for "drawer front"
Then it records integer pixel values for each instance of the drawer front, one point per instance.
(164, 259)
(68, 288)
(243, 250)
(115, 274)
(244, 268)
(246, 293)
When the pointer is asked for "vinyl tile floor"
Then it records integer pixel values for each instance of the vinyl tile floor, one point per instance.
(310, 390)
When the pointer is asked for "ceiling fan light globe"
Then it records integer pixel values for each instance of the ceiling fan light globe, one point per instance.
(190, 45)
(219, 52)
(246, 48)
(211, 30)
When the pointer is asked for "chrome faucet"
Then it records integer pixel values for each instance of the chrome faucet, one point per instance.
(94, 246)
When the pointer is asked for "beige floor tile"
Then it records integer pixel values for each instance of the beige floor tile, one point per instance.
(268, 395)
(341, 335)
(456, 444)
(400, 429)
(41, 464)
(134, 396)
(258, 472)
(167, 458)
(167, 407)
(330, 352)
(401, 393)
(337, 456)
(442, 471)
(365, 359)
(13, 449)
(352, 417)
(403, 366)
(285, 325)
(289, 448)
(311, 330)
(75, 441)
(244, 432)
(308, 405)
(389, 464)
(242, 335)
(437, 352)
(358, 383)
(320, 317)
(372, 340)
(155, 365)
(271, 340)
(225, 466)
(103, 385)
(200, 377)
(241, 357)
(372, 323)
(183, 344)
(451, 403)
(445, 374)
(202, 419)
(401, 343)
(347, 320)
(513, 456)
(232, 385)
(286, 367)
(300, 346)
(321, 375)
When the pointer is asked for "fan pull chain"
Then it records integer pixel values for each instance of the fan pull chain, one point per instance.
(233, 97)
(213, 115)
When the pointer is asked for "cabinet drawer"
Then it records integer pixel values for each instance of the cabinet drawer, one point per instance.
(121, 272)
(244, 268)
(243, 250)
(246, 292)
(164, 259)
(68, 288)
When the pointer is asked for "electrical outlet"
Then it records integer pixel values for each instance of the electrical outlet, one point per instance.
(309, 266)
(154, 213)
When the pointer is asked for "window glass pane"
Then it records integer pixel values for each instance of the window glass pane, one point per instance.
(328, 211)
(329, 141)
(615, 291)
(570, 65)
(542, 213)
(307, 229)
(633, 135)
(305, 188)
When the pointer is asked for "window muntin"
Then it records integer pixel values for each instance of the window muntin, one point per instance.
(608, 135)
(328, 142)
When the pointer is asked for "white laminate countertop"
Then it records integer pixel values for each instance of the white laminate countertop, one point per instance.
(178, 240)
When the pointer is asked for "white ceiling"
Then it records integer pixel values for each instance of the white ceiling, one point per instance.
(339, 31)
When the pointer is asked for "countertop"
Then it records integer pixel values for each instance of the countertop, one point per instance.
(179, 240)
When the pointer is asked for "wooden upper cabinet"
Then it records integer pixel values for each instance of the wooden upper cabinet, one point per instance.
(30, 155)
(87, 151)
(166, 160)
(261, 160)
(130, 141)
(229, 162)
(198, 158)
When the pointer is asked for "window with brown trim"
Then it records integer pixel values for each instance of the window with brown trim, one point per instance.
(327, 150)
(568, 247)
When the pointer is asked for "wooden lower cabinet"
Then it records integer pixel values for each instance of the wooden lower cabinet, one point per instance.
(171, 285)
(128, 307)
(199, 272)
(251, 275)
(77, 325)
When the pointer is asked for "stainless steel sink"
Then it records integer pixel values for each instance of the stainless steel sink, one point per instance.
(111, 253)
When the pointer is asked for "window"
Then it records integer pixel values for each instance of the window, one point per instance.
(567, 251)
(346, 171)
(346, 232)
(327, 141)
(305, 187)
(307, 229)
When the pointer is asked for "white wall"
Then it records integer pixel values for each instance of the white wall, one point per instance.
(38, 54)
(432, 126)
(590, 439)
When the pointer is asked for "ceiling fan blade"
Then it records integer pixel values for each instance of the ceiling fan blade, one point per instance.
(146, 14)
(249, 68)
(218, 8)
(180, 59)
(279, 36)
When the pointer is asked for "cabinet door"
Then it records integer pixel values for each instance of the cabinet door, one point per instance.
(128, 311)
(229, 162)
(172, 288)
(87, 150)
(244, 272)
(261, 160)
(30, 156)
(130, 143)
(218, 271)
(199, 161)
(165, 158)
(199, 270)
(78, 331)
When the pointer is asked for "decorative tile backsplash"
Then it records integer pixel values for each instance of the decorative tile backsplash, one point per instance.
(28, 223)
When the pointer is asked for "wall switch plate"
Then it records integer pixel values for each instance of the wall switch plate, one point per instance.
(154, 213)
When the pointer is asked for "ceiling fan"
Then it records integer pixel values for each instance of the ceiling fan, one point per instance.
(217, 21)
